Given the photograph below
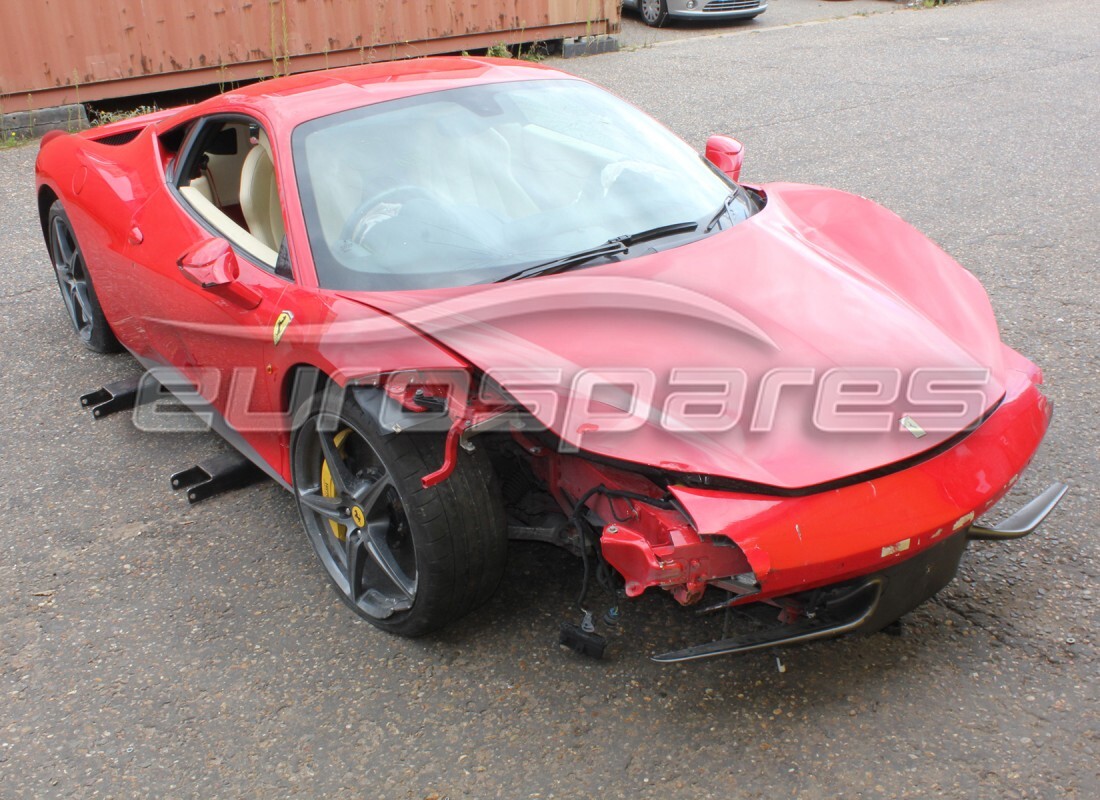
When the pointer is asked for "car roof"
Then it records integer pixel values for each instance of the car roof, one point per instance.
(298, 98)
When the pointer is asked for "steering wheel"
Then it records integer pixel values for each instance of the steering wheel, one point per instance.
(363, 209)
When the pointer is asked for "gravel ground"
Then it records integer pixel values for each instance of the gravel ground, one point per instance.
(152, 649)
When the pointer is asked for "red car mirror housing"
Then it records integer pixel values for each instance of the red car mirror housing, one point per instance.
(212, 264)
(727, 154)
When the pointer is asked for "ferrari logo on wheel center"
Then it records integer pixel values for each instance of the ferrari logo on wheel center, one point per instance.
(358, 516)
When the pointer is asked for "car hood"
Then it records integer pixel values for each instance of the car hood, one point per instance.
(671, 359)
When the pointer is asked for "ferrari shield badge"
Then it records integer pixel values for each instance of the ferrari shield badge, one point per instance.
(281, 323)
(907, 422)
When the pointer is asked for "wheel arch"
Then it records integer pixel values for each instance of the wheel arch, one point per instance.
(46, 198)
(300, 382)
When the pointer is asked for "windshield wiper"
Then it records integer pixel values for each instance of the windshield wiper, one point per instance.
(659, 232)
(612, 247)
(723, 211)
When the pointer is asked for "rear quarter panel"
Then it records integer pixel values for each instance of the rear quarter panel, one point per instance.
(101, 187)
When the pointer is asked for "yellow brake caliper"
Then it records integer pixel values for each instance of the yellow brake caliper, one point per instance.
(328, 486)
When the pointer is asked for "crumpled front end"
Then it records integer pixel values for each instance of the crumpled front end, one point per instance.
(796, 543)
(760, 546)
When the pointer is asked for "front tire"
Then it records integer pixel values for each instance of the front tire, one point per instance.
(75, 282)
(408, 559)
(654, 12)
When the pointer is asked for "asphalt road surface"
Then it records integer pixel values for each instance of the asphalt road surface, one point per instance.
(148, 648)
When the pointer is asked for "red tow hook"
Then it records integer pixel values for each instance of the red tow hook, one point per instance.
(450, 454)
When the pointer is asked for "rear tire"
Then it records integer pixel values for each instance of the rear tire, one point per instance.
(408, 559)
(75, 282)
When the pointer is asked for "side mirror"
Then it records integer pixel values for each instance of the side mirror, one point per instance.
(212, 264)
(727, 154)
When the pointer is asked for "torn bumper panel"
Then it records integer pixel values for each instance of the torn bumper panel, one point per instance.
(870, 603)
(866, 604)
(797, 543)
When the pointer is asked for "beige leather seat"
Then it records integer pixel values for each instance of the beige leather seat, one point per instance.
(476, 169)
(260, 195)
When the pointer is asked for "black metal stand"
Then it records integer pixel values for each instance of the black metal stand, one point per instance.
(112, 397)
(216, 475)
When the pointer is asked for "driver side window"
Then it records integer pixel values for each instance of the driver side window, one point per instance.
(228, 179)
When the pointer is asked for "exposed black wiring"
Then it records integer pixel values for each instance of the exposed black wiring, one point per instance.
(581, 525)
(605, 575)
(583, 529)
(659, 502)
(633, 514)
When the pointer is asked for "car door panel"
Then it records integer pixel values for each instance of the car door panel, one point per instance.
(216, 344)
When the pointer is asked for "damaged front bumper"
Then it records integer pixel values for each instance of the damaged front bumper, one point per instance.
(876, 549)
(868, 604)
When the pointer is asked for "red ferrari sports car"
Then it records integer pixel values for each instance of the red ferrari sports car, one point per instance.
(455, 301)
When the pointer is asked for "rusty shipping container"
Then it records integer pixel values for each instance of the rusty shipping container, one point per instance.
(54, 52)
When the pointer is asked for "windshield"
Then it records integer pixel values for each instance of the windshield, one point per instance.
(470, 185)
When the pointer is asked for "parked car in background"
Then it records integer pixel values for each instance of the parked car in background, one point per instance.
(658, 12)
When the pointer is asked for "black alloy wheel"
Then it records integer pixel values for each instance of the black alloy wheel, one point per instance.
(408, 559)
(75, 283)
